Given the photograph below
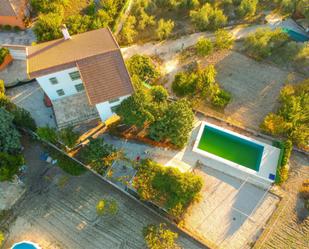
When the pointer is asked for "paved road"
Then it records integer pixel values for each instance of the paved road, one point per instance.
(17, 38)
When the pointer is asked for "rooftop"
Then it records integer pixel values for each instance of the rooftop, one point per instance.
(11, 7)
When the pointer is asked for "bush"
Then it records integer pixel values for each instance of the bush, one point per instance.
(107, 207)
(223, 40)
(159, 237)
(68, 136)
(304, 190)
(159, 94)
(47, 27)
(184, 84)
(2, 238)
(9, 165)
(164, 29)
(69, 166)
(221, 99)
(204, 47)
(22, 118)
(3, 53)
(47, 133)
(283, 167)
(143, 67)
(167, 186)
(247, 8)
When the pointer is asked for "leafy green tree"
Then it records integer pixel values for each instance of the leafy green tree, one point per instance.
(160, 237)
(128, 31)
(175, 125)
(68, 136)
(204, 47)
(164, 28)
(223, 40)
(98, 154)
(48, 133)
(47, 27)
(143, 67)
(145, 20)
(135, 110)
(9, 136)
(159, 94)
(208, 18)
(22, 118)
(9, 165)
(2, 88)
(274, 124)
(78, 24)
(184, 84)
(247, 8)
(107, 207)
(48, 6)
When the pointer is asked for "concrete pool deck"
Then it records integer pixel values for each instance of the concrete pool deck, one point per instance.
(268, 163)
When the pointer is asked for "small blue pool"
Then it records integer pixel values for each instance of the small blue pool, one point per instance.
(25, 245)
(296, 36)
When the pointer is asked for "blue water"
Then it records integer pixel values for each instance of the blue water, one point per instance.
(24, 245)
(296, 36)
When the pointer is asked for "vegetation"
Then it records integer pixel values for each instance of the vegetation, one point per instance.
(202, 85)
(294, 6)
(128, 32)
(143, 67)
(68, 165)
(304, 193)
(3, 53)
(167, 186)
(223, 40)
(208, 18)
(98, 155)
(164, 29)
(68, 136)
(247, 8)
(47, 133)
(160, 237)
(107, 207)
(291, 120)
(204, 47)
(22, 118)
(264, 42)
(9, 165)
(2, 87)
(283, 167)
(2, 238)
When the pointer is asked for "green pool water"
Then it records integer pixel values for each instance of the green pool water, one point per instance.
(231, 147)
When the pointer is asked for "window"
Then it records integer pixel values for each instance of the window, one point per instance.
(74, 75)
(60, 92)
(113, 101)
(113, 108)
(79, 87)
(53, 81)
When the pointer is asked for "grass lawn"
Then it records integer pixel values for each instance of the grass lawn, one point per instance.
(231, 148)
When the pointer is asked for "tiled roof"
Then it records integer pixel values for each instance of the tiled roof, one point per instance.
(60, 54)
(11, 7)
(105, 77)
(95, 53)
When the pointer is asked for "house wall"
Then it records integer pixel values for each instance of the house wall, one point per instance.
(12, 21)
(104, 109)
(64, 82)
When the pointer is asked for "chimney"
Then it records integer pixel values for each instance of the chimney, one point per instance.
(65, 32)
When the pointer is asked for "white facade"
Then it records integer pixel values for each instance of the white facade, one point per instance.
(68, 86)
(105, 109)
(65, 83)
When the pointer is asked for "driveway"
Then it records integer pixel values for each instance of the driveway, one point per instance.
(59, 211)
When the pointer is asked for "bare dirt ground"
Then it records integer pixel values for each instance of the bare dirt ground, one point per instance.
(59, 211)
(290, 228)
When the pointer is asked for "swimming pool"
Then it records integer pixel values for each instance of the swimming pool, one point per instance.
(295, 35)
(229, 146)
(25, 245)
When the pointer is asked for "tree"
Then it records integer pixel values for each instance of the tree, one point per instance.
(247, 8)
(204, 47)
(9, 136)
(175, 125)
(159, 94)
(68, 136)
(184, 84)
(135, 110)
(107, 207)
(47, 27)
(159, 237)
(1, 238)
(143, 67)
(164, 29)
(98, 154)
(128, 31)
(9, 165)
(78, 24)
(2, 88)
(48, 133)
(208, 18)
(22, 118)
(223, 40)
(274, 124)
(145, 20)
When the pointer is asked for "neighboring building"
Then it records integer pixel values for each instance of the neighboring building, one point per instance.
(13, 12)
(83, 75)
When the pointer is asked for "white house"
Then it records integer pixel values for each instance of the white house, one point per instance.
(79, 73)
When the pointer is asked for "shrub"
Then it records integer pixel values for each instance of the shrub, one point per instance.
(304, 189)
(68, 136)
(9, 165)
(47, 27)
(167, 186)
(221, 99)
(3, 53)
(184, 84)
(128, 31)
(159, 237)
(247, 8)
(143, 67)
(22, 118)
(204, 47)
(2, 87)
(283, 167)
(164, 29)
(159, 94)
(69, 166)
(47, 133)
(107, 207)
(2, 238)
(223, 40)
(274, 124)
